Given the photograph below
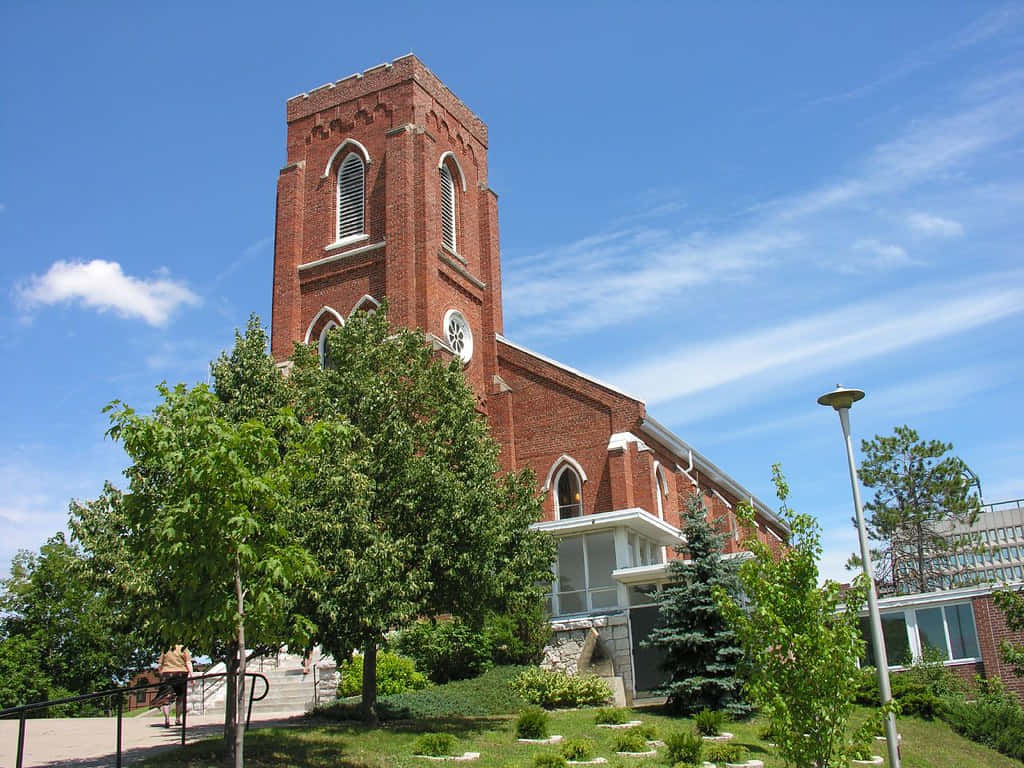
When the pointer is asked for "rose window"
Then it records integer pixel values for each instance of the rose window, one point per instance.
(458, 335)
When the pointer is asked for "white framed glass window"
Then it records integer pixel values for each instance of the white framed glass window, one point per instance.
(946, 632)
(583, 574)
(458, 334)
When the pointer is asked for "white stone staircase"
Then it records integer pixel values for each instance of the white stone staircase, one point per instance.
(290, 691)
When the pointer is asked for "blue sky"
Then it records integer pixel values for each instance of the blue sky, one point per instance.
(725, 209)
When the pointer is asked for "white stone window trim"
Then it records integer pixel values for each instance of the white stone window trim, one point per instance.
(349, 240)
(449, 155)
(660, 489)
(564, 459)
(325, 310)
(456, 316)
(346, 144)
(367, 304)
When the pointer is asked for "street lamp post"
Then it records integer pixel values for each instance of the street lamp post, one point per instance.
(841, 399)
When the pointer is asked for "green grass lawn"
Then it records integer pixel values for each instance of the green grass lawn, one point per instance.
(351, 745)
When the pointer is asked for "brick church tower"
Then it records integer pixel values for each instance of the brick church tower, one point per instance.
(385, 194)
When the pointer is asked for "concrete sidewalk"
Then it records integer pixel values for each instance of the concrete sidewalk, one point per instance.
(90, 742)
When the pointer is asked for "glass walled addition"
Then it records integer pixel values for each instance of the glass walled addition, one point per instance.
(583, 570)
(944, 633)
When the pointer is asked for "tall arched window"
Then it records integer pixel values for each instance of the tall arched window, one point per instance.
(448, 221)
(568, 494)
(351, 175)
(660, 489)
(325, 353)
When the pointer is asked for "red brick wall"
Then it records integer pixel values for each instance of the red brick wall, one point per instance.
(992, 630)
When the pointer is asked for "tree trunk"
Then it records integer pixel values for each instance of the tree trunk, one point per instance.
(370, 715)
(240, 693)
(231, 667)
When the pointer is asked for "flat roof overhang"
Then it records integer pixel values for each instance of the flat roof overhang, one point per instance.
(635, 519)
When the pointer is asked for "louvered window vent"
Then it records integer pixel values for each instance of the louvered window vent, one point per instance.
(447, 209)
(350, 196)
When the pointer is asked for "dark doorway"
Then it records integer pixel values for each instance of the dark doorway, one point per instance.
(647, 672)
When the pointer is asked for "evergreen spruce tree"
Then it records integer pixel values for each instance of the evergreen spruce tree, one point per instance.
(702, 652)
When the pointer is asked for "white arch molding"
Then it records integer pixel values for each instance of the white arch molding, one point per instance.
(455, 162)
(367, 304)
(325, 310)
(341, 148)
(564, 459)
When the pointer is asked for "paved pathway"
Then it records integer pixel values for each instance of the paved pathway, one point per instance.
(90, 742)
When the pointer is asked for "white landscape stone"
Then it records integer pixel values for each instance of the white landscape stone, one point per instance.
(630, 724)
(549, 740)
(464, 757)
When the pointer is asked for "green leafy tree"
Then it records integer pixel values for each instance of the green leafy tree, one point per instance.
(205, 519)
(61, 628)
(921, 493)
(1011, 603)
(702, 650)
(802, 641)
(398, 493)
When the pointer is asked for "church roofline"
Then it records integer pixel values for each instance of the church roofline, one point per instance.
(684, 451)
(566, 368)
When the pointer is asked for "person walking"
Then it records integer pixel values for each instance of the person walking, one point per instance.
(175, 669)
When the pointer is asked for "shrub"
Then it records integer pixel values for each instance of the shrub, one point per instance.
(578, 749)
(445, 650)
(558, 689)
(767, 733)
(684, 747)
(995, 718)
(395, 674)
(630, 741)
(518, 637)
(435, 745)
(647, 730)
(532, 723)
(482, 696)
(611, 715)
(709, 722)
(549, 760)
(722, 752)
(920, 689)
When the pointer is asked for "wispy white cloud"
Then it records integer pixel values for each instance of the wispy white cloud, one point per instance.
(611, 277)
(3, 207)
(876, 256)
(934, 226)
(103, 285)
(610, 283)
(825, 340)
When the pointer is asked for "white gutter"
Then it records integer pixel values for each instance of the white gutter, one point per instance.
(677, 445)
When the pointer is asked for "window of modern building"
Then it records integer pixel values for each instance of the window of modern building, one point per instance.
(945, 632)
(448, 209)
(351, 176)
(568, 494)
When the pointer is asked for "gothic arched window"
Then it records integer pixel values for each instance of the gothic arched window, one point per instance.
(568, 499)
(325, 353)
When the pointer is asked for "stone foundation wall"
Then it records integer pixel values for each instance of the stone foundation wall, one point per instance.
(569, 637)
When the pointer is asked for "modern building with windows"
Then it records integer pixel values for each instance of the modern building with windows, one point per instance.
(992, 549)
(385, 193)
(962, 628)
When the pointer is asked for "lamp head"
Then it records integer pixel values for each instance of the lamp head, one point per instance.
(841, 397)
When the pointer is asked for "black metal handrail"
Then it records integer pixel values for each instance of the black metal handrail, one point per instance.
(23, 709)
